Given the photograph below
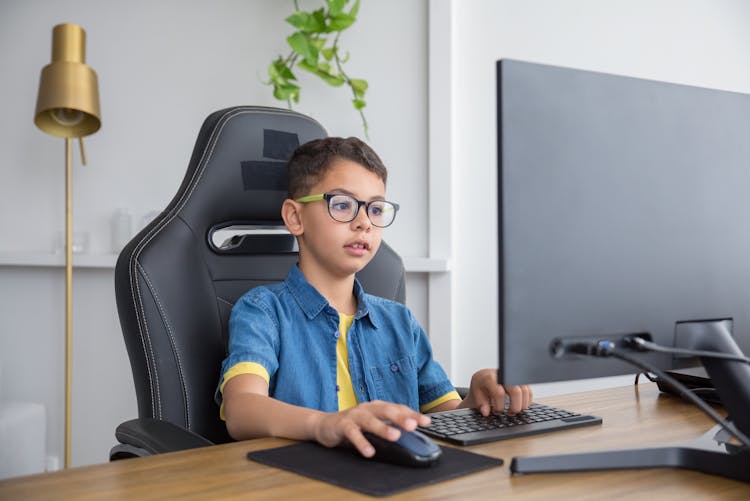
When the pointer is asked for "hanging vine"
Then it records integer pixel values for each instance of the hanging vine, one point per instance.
(315, 48)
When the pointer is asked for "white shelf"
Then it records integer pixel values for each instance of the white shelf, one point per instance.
(426, 265)
(52, 260)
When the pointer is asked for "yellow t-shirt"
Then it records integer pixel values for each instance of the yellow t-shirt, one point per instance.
(347, 397)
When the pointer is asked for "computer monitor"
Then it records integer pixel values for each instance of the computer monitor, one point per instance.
(623, 207)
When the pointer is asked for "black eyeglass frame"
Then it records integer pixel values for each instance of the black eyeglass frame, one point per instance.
(329, 196)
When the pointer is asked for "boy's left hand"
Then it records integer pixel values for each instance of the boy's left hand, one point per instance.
(487, 396)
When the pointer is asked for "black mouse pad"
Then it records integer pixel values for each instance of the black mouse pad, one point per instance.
(346, 468)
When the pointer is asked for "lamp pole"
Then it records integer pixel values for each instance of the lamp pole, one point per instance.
(68, 106)
(68, 297)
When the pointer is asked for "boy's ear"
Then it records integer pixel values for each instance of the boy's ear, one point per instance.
(290, 213)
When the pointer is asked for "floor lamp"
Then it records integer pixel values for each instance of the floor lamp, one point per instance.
(68, 106)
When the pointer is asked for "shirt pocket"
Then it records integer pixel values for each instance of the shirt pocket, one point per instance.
(397, 382)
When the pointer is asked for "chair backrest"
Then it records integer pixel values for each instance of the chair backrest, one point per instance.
(175, 286)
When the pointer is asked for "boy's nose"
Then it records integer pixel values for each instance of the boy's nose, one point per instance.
(362, 221)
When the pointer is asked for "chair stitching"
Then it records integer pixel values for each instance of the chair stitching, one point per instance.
(225, 301)
(160, 225)
(146, 339)
(137, 300)
(173, 344)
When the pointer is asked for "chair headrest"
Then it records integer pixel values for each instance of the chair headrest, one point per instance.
(237, 173)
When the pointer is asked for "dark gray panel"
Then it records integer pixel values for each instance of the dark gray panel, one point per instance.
(624, 207)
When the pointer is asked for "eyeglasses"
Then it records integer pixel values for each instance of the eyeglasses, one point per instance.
(344, 208)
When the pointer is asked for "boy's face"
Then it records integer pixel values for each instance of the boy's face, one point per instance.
(331, 247)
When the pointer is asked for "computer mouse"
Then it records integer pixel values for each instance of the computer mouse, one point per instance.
(411, 449)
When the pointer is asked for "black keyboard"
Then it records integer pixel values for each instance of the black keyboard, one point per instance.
(469, 427)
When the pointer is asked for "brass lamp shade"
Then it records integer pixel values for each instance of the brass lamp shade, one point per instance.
(68, 100)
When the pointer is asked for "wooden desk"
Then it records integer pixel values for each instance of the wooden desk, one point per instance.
(633, 417)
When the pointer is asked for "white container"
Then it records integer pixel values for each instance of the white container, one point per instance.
(23, 436)
(79, 244)
(122, 229)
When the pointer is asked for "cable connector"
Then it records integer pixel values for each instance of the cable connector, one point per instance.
(604, 348)
(635, 342)
(561, 347)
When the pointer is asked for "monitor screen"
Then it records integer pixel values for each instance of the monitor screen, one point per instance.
(623, 207)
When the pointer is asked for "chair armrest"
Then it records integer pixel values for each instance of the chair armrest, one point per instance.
(142, 437)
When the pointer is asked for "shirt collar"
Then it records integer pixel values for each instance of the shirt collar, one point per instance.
(363, 304)
(312, 302)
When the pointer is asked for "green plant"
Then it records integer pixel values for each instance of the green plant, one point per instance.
(315, 48)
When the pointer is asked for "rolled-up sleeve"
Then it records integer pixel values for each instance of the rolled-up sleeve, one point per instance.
(253, 339)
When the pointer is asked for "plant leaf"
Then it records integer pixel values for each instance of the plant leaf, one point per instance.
(355, 9)
(341, 22)
(303, 21)
(273, 73)
(279, 73)
(285, 92)
(307, 22)
(283, 70)
(329, 78)
(332, 80)
(319, 43)
(301, 44)
(359, 87)
(320, 21)
(307, 67)
(327, 53)
(336, 6)
(359, 103)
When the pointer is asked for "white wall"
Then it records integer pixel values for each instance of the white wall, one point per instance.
(696, 42)
(163, 66)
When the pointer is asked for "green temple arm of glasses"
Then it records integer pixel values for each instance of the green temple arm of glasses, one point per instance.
(311, 198)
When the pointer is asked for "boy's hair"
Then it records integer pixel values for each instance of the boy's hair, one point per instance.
(311, 161)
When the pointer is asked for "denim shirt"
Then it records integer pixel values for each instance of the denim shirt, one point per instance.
(291, 330)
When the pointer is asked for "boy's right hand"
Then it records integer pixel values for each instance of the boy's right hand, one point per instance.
(334, 428)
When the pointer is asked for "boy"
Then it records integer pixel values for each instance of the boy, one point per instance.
(315, 358)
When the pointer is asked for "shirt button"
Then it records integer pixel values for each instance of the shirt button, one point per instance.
(336, 334)
(338, 388)
(361, 388)
(394, 368)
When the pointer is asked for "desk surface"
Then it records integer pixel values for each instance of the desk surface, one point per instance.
(633, 417)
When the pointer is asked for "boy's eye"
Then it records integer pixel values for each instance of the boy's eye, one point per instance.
(376, 210)
(341, 205)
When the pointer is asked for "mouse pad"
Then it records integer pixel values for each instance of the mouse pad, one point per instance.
(346, 468)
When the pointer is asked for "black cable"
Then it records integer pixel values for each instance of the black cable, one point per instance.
(639, 343)
(609, 350)
(707, 391)
(647, 376)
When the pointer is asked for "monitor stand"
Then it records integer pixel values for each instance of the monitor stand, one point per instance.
(707, 455)
(711, 453)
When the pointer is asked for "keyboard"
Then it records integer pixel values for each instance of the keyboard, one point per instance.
(469, 427)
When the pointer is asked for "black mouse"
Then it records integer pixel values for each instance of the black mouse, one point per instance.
(411, 449)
